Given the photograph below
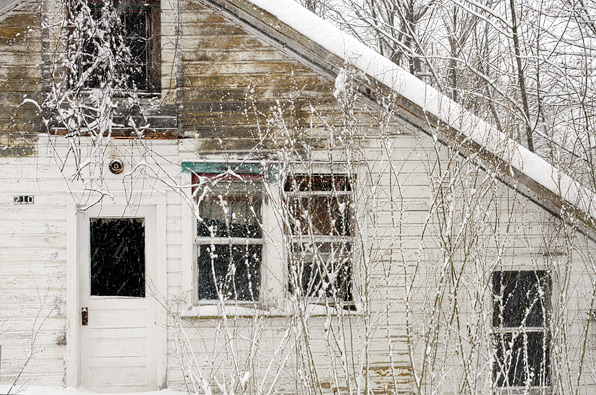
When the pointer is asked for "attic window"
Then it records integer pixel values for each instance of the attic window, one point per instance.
(131, 30)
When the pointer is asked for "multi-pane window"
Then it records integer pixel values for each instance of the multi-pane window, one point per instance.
(319, 232)
(133, 38)
(229, 240)
(521, 303)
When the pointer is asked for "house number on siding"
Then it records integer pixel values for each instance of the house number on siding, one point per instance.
(23, 199)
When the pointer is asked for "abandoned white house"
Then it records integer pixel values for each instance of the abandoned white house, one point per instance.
(234, 196)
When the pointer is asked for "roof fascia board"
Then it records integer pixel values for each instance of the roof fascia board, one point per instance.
(11, 6)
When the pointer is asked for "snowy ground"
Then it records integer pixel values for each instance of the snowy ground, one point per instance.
(39, 390)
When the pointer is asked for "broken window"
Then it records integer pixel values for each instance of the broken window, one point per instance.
(521, 303)
(117, 256)
(131, 31)
(319, 209)
(229, 237)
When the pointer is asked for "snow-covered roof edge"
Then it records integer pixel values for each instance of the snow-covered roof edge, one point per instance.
(9, 5)
(433, 103)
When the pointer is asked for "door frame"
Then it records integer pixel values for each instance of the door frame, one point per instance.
(75, 219)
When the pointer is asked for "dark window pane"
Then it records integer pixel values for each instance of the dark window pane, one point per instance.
(321, 270)
(138, 53)
(520, 298)
(117, 257)
(135, 23)
(316, 182)
(133, 28)
(233, 271)
(522, 359)
(230, 209)
(320, 215)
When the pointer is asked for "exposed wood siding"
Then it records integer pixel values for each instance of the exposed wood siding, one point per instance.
(20, 78)
(233, 81)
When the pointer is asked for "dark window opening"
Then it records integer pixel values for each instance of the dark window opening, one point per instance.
(229, 238)
(133, 39)
(232, 271)
(521, 304)
(117, 257)
(319, 209)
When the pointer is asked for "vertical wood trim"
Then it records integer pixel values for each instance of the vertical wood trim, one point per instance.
(189, 273)
(72, 362)
(161, 314)
(274, 267)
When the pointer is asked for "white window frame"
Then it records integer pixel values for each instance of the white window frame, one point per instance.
(274, 293)
(271, 295)
(322, 239)
(519, 331)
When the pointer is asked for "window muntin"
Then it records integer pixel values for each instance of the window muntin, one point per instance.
(319, 229)
(521, 303)
(229, 237)
(134, 43)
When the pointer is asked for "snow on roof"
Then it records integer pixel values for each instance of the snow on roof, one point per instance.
(4, 3)
(378, 67)
(8, 5)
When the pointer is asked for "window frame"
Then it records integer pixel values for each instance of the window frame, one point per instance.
(274, 299)
(347, 301)
(499, 328)
(153, 39)
(229, 241)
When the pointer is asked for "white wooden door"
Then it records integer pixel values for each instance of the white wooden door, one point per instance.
(118, 327)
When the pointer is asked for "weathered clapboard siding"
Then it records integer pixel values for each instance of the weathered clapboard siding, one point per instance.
(20, 78)
(32, 273)
(232, 79)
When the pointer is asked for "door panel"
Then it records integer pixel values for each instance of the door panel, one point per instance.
(118, 350)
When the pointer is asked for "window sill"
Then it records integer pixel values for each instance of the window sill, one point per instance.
(231, 309)
(243, 309)
(523, 390)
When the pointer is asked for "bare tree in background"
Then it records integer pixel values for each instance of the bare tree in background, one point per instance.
(526, 67)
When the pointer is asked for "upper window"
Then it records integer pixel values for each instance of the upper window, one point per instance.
(229, 237)
(319, 230)
(521, 303)
(130, 29)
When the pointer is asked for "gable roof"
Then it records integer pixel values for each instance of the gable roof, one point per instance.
(327, 48)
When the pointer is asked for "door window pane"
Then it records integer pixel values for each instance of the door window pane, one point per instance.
(117, 257)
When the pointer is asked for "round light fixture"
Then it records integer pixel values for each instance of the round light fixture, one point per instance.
(116, 166)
